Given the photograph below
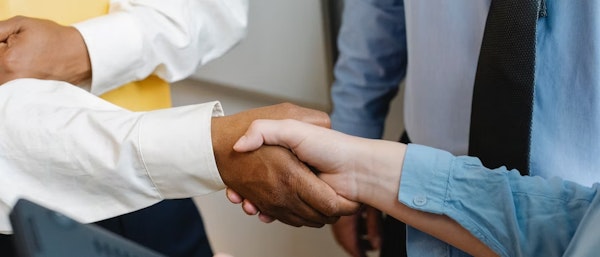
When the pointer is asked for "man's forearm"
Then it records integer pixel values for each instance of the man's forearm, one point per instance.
(92, 160)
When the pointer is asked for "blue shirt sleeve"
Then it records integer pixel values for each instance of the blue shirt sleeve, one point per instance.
(370, 66)
(513, 215)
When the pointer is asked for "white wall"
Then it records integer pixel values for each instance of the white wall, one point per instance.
(285, 53)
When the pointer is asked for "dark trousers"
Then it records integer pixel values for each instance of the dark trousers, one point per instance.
(394, 231)
(171, 227)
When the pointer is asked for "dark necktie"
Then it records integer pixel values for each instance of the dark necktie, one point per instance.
(503, 93)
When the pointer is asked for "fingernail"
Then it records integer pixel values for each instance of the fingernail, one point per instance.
(240, 142)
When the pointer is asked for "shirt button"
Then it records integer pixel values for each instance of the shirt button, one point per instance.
(420, 200)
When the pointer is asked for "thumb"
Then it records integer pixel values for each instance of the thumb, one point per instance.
(283, 133)
(248, 142)
(8, 27)
(260, 132)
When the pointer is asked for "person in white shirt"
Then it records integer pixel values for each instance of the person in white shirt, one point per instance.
(90, 159)
(127, 44)
(135, 39)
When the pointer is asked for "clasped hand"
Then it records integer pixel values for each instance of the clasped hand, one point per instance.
(272, 177)
(42, 49)
(332, 159)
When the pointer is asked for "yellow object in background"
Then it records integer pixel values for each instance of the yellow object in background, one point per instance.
(149, 94)
(64, 12)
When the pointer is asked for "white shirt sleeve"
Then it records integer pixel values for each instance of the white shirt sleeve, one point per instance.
(78, 154)
(169, 38)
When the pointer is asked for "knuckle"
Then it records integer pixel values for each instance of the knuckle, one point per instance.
(325, 121)
(330, 208)
(289, 107)
(17, 18)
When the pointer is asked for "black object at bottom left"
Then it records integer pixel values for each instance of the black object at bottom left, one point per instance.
(42, 232)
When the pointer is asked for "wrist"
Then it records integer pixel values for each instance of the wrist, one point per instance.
(223, 136)
(115, 46)
(220, 138)
(378, 181)
(80, 67)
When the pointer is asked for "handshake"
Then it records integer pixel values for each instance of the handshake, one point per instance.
(280, 185)
(268, 165)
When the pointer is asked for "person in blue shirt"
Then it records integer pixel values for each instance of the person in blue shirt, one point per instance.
(442, 40)
(484, 212)
(369, 69)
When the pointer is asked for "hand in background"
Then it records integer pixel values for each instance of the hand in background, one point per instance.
(42, 49)
(272, 178)
(359, 233)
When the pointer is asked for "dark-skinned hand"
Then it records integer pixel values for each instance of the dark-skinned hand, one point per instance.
(272, 177)
(42, 49)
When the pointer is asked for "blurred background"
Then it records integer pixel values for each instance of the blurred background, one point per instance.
(287, 56)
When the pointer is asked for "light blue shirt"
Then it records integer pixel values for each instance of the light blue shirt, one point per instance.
(514, 215)
(565, 139)
(443, 40)
(371, 64)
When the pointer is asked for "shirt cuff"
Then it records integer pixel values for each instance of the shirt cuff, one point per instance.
(115, 43)
(176, 148)
(424, 179)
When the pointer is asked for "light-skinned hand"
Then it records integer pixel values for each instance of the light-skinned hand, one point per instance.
(342, 160)
(360, 169)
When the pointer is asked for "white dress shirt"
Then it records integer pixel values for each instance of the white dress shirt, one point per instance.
(443, 54)
(167, 38)
(76, 153)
